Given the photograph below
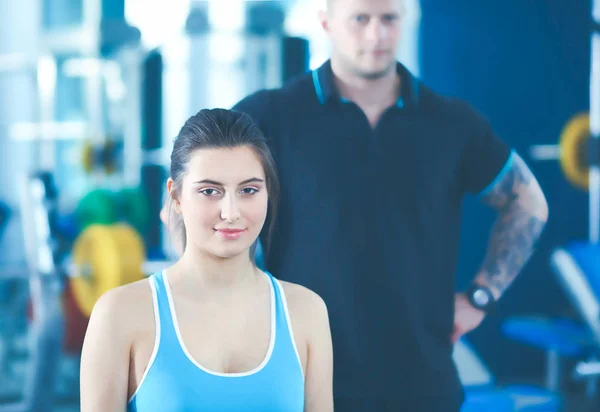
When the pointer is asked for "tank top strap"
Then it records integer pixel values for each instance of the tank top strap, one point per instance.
(285, 335)
(168, 334)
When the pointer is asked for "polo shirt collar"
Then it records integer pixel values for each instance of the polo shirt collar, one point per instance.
(326, 90)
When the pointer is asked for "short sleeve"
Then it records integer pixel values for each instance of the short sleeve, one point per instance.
(486, 156)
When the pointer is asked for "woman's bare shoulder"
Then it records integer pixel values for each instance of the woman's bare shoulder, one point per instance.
(303, 303)
(127, 306)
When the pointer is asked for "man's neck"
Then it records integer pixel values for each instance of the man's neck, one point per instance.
(377, 93)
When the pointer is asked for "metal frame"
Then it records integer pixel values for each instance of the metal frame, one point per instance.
(574, 282)
(578, 289)
(595, 124)
(570, 276)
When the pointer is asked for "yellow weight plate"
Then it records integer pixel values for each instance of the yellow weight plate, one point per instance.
(106, 257)
(88, 157)
(134, 253)
(573, 142)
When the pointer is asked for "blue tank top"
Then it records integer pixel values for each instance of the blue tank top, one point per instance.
(174, 381)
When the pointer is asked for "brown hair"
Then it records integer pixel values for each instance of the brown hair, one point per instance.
(221, 128)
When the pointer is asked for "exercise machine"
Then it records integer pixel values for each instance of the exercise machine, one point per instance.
(575, 265)
(483, 394)
(38, 206)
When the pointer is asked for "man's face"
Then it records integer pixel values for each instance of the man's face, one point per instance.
(364, 34)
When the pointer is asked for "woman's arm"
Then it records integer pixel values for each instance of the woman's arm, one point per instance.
(319, 366)
(105, 357)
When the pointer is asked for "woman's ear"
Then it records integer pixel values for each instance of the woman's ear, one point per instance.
(172, 195)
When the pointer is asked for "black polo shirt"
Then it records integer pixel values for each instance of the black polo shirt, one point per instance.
(369, 219)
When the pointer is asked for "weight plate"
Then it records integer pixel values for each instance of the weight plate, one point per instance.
(97, 207)
(135, 208)
(105, 257)
(573, 155)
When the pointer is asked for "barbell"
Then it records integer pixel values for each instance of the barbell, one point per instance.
(576, 151)
(103, 257)
(104, 156)
(107, 156)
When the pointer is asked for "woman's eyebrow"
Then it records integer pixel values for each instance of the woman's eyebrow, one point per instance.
(214, 182)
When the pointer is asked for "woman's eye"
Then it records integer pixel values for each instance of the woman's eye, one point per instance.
(209, 192)
(249, 191)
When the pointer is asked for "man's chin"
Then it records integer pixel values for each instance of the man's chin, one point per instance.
(376, 71)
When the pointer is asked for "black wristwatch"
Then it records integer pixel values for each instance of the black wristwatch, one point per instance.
(481, 298)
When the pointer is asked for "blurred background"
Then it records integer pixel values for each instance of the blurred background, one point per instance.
(92, 93)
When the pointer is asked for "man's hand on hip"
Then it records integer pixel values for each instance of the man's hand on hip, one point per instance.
(466, 317)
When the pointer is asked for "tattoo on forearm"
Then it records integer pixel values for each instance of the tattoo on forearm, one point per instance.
(523, 214)
(512, 243)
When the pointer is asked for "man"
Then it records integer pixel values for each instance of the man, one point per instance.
(374, 166)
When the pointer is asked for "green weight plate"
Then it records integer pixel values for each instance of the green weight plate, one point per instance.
(97, 207)
(135, 208)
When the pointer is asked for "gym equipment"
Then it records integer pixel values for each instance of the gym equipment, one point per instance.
(577, 268)
(579, 149)
(471, 370)
(75, 322)
(575, 265)
(67, 227)
(533, 399)
(69, 52)
(105, 156)
(107, 207)
(557, 337)
(478, 400)
(110, 255)
(97, 207)
(4, 215)
(564, 335)
(134, 207)
(38, 206)
(108, 157)
(481, 393)
(104, 258)
(576, 151)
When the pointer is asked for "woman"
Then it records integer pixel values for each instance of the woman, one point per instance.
(212, 332)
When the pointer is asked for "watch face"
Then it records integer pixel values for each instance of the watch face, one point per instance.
(481, 298)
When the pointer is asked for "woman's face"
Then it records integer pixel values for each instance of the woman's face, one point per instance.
(223, 200)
